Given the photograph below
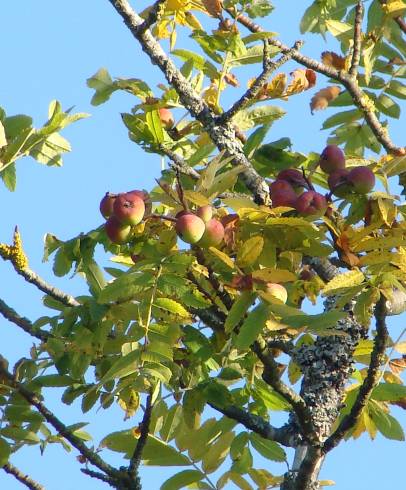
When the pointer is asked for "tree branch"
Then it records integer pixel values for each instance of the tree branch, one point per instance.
(284, 435)
(253, 91)
(136, 457)
(222, 135)
(178, 163)
(399, 19)
(16, 255)
(22, 322)
(271, 376)
(59, 426)
(360, 99)
(356, 50)
(154, 14)
(21, 477)
(370, 381)
(323, 267)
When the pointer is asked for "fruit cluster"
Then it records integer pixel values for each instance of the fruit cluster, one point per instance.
(199, 228)
(341, 181)
(122, 211)
(292, 189)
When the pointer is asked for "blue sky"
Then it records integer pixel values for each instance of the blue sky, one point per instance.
(48, 50)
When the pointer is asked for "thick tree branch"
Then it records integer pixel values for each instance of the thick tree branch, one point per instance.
(33, 399)
(222, 135)
(356, 49)
(271, 376)
(370, 381)
(136, 457)
(22, 322)
(21, 477)
(255, 88)
(284, 435)
(360, 99)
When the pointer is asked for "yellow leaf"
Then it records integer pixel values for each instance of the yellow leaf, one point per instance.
(327, 483)
(394, 7)
(343, 281)
(237, 203)
(196, 198)
(222, 256)
(400, 347)
(250, 251)
(303, 79)
(271, 274)
(295, 222)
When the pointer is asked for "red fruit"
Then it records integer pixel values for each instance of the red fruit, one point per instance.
(145, 197)
(166, 117)
(311, 203)
(332, 158)
(282, 194)
(362, 179)
(129, 209)
(116, 231)
(338, 183)
(190, 228)
(277, 291)
(213, 234)
(107, 204)
(294, 177)
(205, 212)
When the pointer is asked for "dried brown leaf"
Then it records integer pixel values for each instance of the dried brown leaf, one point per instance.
(334, 60)
(323, 97)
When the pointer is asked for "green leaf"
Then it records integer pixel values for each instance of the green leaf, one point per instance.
(387, 425)
(5, 451)
(171, 306)
(9, 177)
(250, 118)
(125, 287)
(217, 452)
(154, 125)
(158, 453)
(343, 281)
(268, 449)
(103, 84)
(389, 392)
(122, 367)
(388, 106)
(255, 139)
(252, 326)
(171, 422)
(342, 117)
(397, 89)
(238, 310)
(250, 251)
(182, 480)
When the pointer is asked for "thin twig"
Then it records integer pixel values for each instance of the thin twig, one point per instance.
(16, 255)
(271, 376)
(11, 315)
(358, 96)
(153, 15)
(144, 428)
(178, 163)
(255, 88)
(21, 477)
(370, 381)
(356, 49)
(98, 476)
(283, 435)
(33, 399)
